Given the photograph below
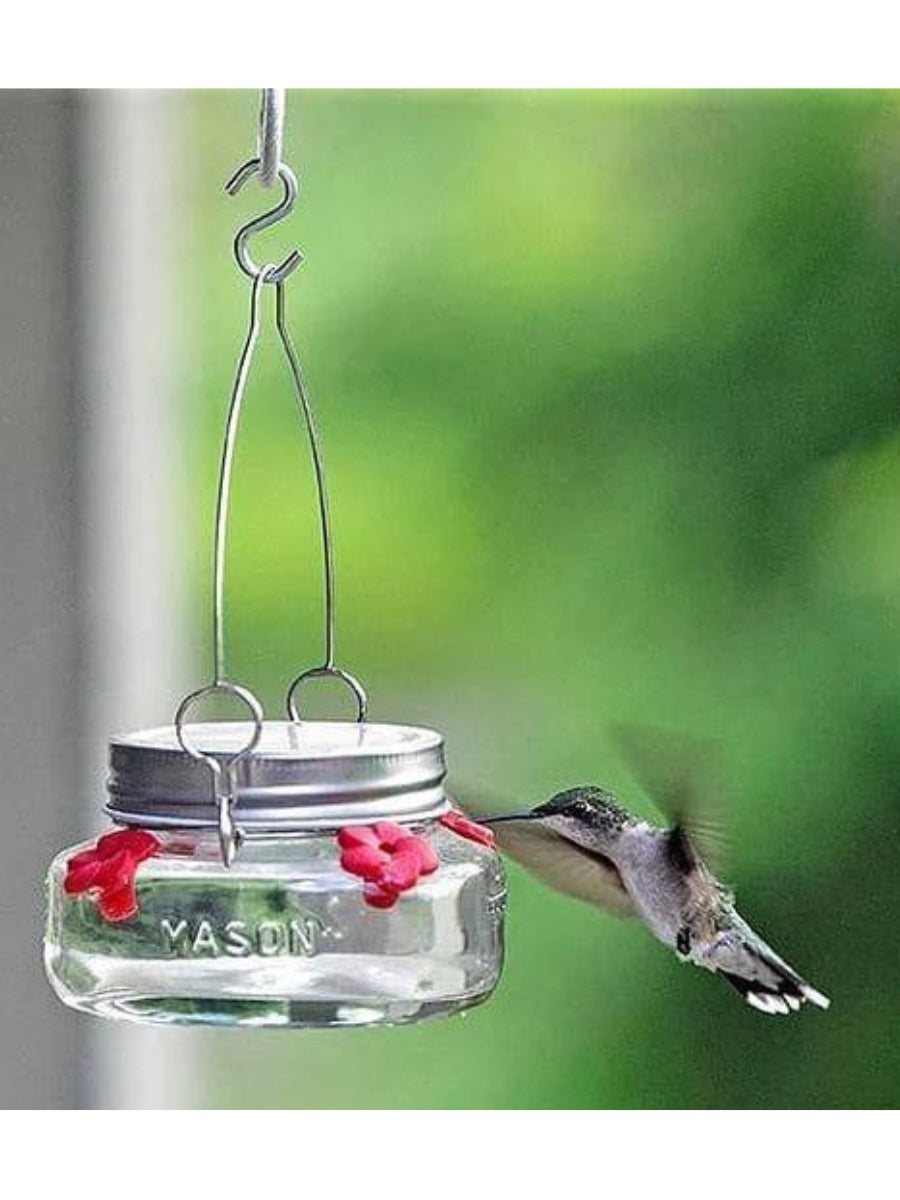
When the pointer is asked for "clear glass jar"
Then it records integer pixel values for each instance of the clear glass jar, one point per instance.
(284, 936)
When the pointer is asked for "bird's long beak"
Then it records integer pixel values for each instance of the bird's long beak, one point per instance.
(525, 816)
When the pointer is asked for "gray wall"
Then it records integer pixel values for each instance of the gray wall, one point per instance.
(41, 1044)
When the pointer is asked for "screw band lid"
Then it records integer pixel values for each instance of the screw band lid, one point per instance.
(311, 775)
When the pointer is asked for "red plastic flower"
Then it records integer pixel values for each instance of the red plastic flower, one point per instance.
(468, 828)
(388, 858)
(108, 869)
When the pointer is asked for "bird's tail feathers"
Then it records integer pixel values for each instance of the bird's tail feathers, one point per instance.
(782, 991)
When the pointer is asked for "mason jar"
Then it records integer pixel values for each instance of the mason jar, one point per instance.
(357, 895)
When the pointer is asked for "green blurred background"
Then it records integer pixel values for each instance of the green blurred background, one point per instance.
(609, 384)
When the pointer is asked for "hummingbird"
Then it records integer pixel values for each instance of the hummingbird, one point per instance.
(583, 843)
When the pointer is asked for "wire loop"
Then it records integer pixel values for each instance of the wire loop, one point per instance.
(222, 768)
(359, 692)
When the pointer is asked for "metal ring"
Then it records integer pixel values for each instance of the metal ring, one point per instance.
(220, 687)
(362, 700)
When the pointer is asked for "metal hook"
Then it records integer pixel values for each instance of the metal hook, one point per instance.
(223, 782)
(266, 220)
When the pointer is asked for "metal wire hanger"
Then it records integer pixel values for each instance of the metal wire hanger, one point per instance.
(268, 167)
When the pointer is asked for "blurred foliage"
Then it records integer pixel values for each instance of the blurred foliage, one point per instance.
(609, 385)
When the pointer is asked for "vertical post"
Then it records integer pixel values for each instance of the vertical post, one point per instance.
(41, 1044)
(130, 528)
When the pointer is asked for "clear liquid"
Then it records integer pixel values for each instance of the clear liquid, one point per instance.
(359, 989)
(283, 938)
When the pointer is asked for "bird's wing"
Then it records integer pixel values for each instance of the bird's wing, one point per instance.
(563, 865)
(681, 775)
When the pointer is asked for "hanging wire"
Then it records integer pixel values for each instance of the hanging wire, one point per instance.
(276, 274)
(222, 772)
(223, 494)
(318, 462)
(268, 167)
(328, 667)
(270, 136)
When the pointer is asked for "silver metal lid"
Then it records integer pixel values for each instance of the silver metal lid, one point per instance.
(311, 775)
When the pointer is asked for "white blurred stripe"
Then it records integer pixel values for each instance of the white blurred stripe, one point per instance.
(134, 642)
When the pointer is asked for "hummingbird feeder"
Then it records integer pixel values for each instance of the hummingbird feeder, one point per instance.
(266, 872)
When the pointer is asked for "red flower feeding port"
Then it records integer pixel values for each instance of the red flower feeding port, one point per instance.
(467, 828)
(387, 857)
(109, 869)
